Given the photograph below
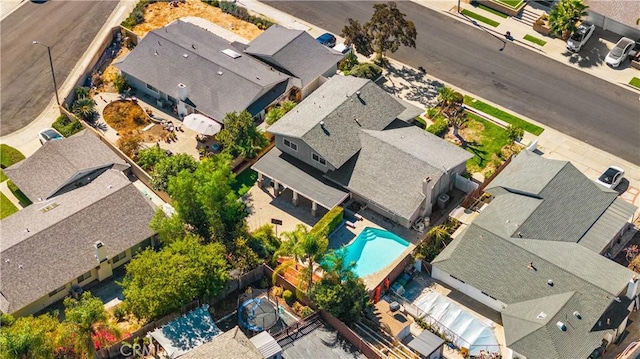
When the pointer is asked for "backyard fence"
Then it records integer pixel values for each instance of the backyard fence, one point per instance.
(239, 283)
(474, 196)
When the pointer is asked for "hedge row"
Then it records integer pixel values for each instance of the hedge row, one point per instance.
(438, 127)
(240, 12)
(329, 222)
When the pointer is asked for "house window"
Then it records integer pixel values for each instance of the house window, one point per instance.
(152, 88)
(120, 257)
(57, 290)
(318, 159)
(84, 277)
(290, 144)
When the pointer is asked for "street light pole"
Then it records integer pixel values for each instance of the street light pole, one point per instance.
(53, 74)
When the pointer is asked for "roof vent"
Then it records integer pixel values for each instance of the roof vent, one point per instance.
(232, 54)
(185, 55)
(617, 299)
(155, 52)
(542, 315)
(550, 283)
(519, 234)
(358, 122)
(358, 93)
(322, 123)
(26, 230)
(577, 314)
(220, 73)
(562, 326)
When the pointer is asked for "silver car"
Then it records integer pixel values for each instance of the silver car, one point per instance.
(611, 177)
(580, 36)
(620, 52)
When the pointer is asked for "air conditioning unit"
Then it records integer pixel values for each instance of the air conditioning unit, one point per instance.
(443, 200)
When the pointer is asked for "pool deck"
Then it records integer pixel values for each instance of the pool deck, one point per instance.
(345, 235)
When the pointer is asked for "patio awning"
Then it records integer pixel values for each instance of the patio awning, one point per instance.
(300, 177)
(202, 124)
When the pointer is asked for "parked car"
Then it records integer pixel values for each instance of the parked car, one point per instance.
(49, 134)
(611, 177)
(343, 48)
(327, 39)
(580, 36)
(620, 52)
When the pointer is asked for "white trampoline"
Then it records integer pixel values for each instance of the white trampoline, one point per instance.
(477, 334)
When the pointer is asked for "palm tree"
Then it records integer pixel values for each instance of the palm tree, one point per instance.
(84, 108)
(303, 246)
(335, 267)
(440, 234)
(564, 16)
(82, 92)
(85, 318)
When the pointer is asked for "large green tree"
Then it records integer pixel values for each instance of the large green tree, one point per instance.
(158, 283)
(386, 31)
(565, 15)
(29, 338)
(240, 136)
(340, 292)
(206, 203)
(303, 246)
(169, 167)
(148, 158)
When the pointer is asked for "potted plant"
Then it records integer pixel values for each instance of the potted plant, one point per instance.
(541, 25)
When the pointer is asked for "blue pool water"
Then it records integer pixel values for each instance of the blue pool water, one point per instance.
(373, 250)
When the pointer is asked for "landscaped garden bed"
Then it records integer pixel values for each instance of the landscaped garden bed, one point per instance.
(502, 115)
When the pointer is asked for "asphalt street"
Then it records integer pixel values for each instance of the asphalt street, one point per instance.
(566, 99)
(68, 27)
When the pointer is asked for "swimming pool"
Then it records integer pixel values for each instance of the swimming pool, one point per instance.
(373, 250)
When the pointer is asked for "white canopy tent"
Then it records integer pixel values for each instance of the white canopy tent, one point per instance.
(202, 124)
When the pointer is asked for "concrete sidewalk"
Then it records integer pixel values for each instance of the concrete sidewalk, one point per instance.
(590, 59)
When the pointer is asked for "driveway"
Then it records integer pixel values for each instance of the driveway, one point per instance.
(564, 98)
(26, 84)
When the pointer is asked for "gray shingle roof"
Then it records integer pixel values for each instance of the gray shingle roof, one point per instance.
(549, 203)
(56, 164)
(391, 165)
(296, 174)
(231, 344)
(294, 51)
(569, 205)
(59, 244)
(608, 225)
(185, 53)
(338, 106)
(585, 281)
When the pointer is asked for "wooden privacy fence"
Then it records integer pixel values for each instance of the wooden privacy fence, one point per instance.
(475, 195)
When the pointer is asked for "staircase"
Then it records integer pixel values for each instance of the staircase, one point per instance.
(528, 16)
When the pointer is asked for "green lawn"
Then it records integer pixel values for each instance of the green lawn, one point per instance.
(501, 115)
(244, 181)
(480, 18)
(535, 40)
(510, 3)
(493, 11)
(635, 82)
(6, 207)
(3, 177)
(9, 156)
(18, 193)
(489, 140)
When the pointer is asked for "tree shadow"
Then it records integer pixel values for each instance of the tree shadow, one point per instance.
(417, 87)
(592, 55)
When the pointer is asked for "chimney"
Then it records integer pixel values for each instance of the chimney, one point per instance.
(632, 287)
(427, 187)
(182, 91)
(101, 251)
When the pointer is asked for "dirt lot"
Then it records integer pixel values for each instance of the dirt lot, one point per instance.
(161, 13)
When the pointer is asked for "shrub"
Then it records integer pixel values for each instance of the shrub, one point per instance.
(120, 83)
(432, 113)
(420, 122)
(305, 312)
(129, 144)
(137, 15)
(328, 222)
(515, 133)
(9, 156)
(6, 320)
(274, 115)
(287, 295)
(149, 157)
(120, 311)
(66, 126)
(366, 70)
(18, 194)
(277, 291)
(348, 62)
(439, 127)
